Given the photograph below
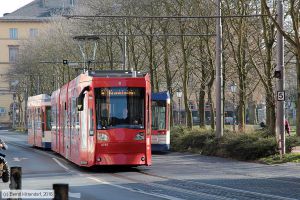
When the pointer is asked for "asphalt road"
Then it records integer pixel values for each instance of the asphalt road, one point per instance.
(172, 176)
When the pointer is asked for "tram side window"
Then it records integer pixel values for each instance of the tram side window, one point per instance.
(53, 117)
(48, 118)
(38, 114)
(73, 113)
(29, 125)
(43, 120)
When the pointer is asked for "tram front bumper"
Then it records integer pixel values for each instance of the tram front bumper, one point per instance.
(121, 159)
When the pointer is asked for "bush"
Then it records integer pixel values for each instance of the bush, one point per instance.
(290, 142)
(183, 140)
(246, 146)
(250, 146)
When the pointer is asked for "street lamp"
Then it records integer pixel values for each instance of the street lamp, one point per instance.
(179, 95)
(14, 85)
(233, 90)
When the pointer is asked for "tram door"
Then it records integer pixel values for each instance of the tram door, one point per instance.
(70, 125)
(62, 127)
(84, 127)
(66, 131)
(34, 122)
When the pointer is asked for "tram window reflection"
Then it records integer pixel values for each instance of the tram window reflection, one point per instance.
(120, 108)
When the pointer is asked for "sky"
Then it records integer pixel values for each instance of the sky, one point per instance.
(8, 6)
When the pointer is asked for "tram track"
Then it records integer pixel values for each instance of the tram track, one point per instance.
(166, 187)
(210, 191)
(183, 192)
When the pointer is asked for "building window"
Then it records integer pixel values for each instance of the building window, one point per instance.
(13, 53)
(13, 33)
(72, 2)
(191, 105)
(2, 111)
(33, 32)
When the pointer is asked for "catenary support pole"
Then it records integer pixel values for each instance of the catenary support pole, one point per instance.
(280, 118)
(219, 77)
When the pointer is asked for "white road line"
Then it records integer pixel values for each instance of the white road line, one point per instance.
(133, 190)
(60, 164)
(75, 195)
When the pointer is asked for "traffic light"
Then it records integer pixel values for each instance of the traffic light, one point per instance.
(65, 62)
(277, 74)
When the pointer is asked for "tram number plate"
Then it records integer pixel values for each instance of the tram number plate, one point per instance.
(280, 96)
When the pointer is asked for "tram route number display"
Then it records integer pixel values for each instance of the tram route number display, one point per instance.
(280, 96)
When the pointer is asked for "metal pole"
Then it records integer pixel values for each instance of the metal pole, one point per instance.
(219, 77)
(178, 115)
(38, 85)
(15, 178)
(61, 191)
(179, 110)
(25, 101)
(280, 81)
(14, 109)
(233, 121)
(125, 46)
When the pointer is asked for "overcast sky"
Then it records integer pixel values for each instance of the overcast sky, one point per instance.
(8, 6)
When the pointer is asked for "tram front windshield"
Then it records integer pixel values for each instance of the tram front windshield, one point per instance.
(120, 107)
(158, 115)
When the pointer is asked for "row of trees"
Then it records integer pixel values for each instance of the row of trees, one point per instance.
(177, 52)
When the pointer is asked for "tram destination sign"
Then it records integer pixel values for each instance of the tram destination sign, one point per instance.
(120, 92)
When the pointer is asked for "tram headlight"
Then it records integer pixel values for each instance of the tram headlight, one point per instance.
(140, 136)
(102, 137)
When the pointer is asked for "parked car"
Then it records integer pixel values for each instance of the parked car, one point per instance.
(228, 120)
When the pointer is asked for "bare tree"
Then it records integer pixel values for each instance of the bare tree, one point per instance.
(292, 36)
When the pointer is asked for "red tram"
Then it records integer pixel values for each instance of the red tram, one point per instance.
(103, 118)
(39, 121)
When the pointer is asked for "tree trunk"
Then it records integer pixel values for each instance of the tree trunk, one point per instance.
(168, 74)
(298, 93)
(185, 83)
(212, 109)
(210, 100)
(202, 107)
(242, 104)
(270, 111)
(151, 63)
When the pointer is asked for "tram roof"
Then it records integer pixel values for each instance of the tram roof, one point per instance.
(39, 100)
(160, 95)
(115, 73)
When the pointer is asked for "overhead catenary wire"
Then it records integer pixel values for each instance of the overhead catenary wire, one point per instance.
(155, 35)
(159, 17)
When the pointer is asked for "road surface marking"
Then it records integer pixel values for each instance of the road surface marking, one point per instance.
(60, 164)
(226, 188)
(16, 159)
(133, 190)
(75, 195)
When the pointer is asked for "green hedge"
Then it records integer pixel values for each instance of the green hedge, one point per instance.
(290, 142)
(244, 146)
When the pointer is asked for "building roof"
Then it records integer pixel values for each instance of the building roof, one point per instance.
(39, 10)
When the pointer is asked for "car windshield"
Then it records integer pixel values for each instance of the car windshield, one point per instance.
(120, 107)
